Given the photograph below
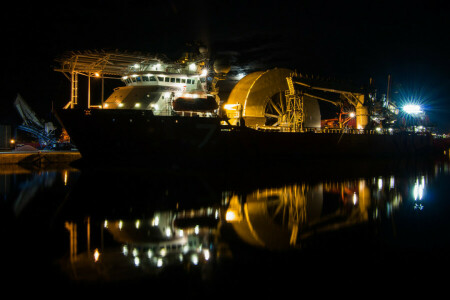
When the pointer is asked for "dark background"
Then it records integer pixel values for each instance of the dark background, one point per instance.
(347, 41)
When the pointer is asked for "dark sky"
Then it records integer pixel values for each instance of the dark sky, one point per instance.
(334, 39)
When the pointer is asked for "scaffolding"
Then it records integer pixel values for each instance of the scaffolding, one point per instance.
(294, 108)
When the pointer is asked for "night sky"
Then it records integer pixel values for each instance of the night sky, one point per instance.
(331, 39)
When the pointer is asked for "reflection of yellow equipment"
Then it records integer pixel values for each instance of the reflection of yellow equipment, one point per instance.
(272, 217)
(280, 218)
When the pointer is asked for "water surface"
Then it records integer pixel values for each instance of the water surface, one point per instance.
(268, 229)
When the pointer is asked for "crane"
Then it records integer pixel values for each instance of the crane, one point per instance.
(43, 131)
(354, 99)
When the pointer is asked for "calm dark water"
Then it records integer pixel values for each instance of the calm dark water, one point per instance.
(327, 227)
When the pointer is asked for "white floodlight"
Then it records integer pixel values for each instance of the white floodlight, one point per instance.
(412, 109)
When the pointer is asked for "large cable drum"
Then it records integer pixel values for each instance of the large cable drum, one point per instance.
(262, 96)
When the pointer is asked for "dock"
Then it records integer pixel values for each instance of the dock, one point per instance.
(38, 158)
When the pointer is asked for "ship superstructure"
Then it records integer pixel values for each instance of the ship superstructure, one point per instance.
(151, 82)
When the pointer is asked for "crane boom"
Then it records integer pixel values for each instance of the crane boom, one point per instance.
(28, 115)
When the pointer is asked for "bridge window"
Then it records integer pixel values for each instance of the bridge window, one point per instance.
(152, 78)
(145, 78)
(161, 79)
(189, 81)
(172, 79)
(183, 80)
(167, 79)
(138, 79)
(178, 80)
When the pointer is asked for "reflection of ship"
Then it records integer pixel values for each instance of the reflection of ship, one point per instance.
(145, 247)
(280, 218)
(157, 242)
(153, 237)
(173, 110)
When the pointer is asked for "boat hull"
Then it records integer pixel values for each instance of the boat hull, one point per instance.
(122, 136)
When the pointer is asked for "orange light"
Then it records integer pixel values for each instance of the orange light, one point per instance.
(96, 255)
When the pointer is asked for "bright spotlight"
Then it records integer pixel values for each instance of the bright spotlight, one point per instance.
(412, 109)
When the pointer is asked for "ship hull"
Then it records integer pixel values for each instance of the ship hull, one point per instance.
(125, 136)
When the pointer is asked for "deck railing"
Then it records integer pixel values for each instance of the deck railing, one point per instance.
(380, 131)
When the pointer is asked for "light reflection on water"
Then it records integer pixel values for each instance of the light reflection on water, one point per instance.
(122, 226)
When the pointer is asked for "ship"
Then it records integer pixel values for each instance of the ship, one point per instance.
(173, 113)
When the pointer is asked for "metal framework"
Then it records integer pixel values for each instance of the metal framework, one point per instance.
(354, 99)
(288, 111)
(103, 64)
(109, 63)
(294, 107)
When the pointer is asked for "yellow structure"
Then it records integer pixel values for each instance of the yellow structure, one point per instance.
(262, 98)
